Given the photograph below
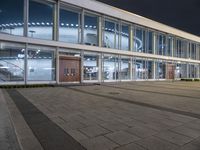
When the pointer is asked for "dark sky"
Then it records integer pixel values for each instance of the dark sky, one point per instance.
(181, 14)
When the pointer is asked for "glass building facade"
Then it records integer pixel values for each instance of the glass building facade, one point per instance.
(104, 48)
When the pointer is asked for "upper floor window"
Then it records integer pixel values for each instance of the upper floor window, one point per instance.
(11, 17)
(90, 29)
(41, 19)
(69, 25)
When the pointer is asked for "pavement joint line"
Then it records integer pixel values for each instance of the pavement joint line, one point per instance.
(48, 133)
(162, 93)
(185, 113)
(161, 85)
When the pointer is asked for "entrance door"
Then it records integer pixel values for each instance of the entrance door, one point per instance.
(170, 68)
(69, 69)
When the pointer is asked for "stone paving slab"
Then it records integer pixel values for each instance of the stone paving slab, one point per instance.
(131, 146)
(98, 143)
(175, 138)
(93, 131)
(194, 133)
(153, 143)
(122, 137)
(99, 119)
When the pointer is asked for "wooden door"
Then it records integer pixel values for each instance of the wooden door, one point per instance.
(69, 69)
(170, 71)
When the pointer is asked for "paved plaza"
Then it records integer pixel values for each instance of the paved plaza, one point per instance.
(111, 116)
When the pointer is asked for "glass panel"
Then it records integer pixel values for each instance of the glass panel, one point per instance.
(68, 52)
(41, 63)
(161, 45)
(160, 70)
(193, 51)
(90, 66)
(110, 67)
(170, 46)
(150, 66)
(111, 34)
(125, 37)
(141, 70)
(181, 70)
(125, 68)
(150, 42)
(69, 26)
(11, 17)
(90, 30)
(40, 20)
(193, 70)
(11, 62)
(139, 40)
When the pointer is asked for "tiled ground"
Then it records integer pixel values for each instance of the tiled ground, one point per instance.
(123, 116)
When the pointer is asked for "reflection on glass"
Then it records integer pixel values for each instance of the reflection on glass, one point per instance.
(161, 44)
(180, 70)
(150, 42)
(141, 70)
(110, 67)
(90, 30)
(40, 20)
(90, 66)
(41, 64)
(193, 70)
(11, 62)
(160, 70)
(111, 34)
(11, 17)
(125, 37)
(150, 64)
(69, 26)
(125, 68)
(170, 45)
(139, 40)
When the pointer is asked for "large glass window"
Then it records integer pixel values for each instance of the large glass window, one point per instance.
(125, 68)
(91, 66)
(110, 67)
(11, 17)
(41, 22)
(90, 30)
(150, 69)
(180, 70)
(41, 63)
(11, 62)
(193, 51)
(150, 42)
(69, 26)
(139, 40)
(125, 37)
(111, 34)
(170, 45)
(161, 44)
(140, 68)
(193, 70)
(160, 69)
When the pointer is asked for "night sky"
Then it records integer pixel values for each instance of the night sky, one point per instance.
(181, 14)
